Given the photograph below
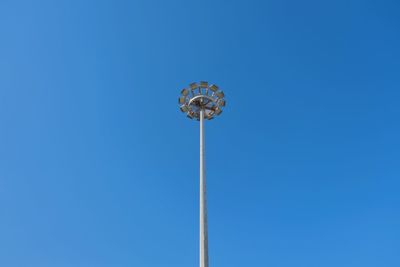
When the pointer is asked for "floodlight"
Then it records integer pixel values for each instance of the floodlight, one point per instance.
(190, 114)
(214, 88)
(193, 86)
(218, 111)
(185, 92)
(184, 108)
(182, 100)
(220, 94)
(203, 84)
(210, 116)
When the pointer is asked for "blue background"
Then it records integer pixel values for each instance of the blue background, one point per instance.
(98, 167)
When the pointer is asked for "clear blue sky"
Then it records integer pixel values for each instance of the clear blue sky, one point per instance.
(99, 168)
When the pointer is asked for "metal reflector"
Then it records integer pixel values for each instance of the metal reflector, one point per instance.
(214, 88)
(193, 85)
(182, 99)
(203, 84)
(184, 108)
(190, 114)
(220, 94)
(185, 92)
(222, 102)
(218, 111)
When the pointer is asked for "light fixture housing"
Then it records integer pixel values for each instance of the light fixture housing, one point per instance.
(184, 92)
(220, 94)
(218, 111)
(184, 108)
(203, 84)
(203, 97)
(193, 85)
(214, 88)
(182, 100)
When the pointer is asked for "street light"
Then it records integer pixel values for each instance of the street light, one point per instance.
(202, 101)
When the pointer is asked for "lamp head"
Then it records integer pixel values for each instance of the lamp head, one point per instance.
(202, 96)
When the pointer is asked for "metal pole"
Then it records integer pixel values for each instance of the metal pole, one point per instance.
(203, 199)
(201, 101)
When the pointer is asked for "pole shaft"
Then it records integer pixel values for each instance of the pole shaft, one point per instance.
(203, 199)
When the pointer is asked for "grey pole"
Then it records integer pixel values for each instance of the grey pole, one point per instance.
(202, 101)
(203, 199)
